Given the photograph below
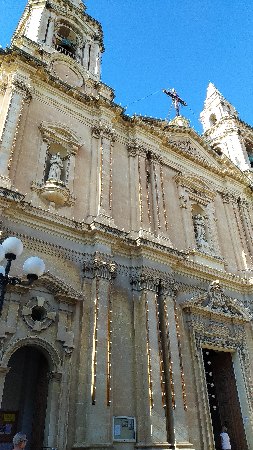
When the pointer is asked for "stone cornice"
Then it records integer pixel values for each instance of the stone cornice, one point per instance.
(12, 195)
(175, 259)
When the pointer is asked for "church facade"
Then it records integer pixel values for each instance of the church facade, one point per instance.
(139, 334)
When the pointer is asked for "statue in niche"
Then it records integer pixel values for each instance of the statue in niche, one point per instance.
(200, 232)
(56, 166)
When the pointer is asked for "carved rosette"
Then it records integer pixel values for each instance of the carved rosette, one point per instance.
(38, 314)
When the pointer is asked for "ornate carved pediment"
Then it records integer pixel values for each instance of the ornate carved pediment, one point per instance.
(215, 303)
(187, 146)
(196, 186)
(57, 132)
(61, 291)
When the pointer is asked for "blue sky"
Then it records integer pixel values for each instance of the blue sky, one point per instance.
(156, 44)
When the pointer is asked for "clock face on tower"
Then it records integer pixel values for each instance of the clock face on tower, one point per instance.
(67, 74)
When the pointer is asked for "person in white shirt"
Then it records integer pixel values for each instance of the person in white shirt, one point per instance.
(225, 440)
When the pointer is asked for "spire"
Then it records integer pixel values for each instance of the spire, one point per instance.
(223, 129)
(216, 108)
(212, 90)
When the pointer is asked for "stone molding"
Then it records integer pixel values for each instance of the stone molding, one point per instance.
(196, 187)
(62, 292)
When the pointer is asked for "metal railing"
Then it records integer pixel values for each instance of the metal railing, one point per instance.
(66, 52)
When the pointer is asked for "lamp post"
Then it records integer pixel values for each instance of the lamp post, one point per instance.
(33, 267)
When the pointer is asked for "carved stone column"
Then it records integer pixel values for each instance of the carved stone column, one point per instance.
(212, 227)
(145, 190)
(18, 94)
(44, 148)
(150, 390)
(71, 170)
(246, 261)
(95, 427)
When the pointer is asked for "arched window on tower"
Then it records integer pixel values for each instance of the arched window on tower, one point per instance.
(212, 119)
(66, 39)
(249, 150)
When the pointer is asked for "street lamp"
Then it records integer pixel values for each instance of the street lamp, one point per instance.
(33, 267)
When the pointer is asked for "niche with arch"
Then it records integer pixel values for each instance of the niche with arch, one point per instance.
(58, 150)
(212, 119)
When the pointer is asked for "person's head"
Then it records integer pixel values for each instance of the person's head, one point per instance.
(19, 440)
(224, 429)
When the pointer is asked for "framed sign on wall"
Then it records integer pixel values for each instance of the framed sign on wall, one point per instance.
(124, 429)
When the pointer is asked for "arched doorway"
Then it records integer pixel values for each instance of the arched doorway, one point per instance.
(26, 391)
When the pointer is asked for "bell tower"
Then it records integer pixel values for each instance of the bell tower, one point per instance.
(47, 29)
(224, 130)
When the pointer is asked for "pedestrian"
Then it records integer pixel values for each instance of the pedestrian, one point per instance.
(19, 441)
(225, 440)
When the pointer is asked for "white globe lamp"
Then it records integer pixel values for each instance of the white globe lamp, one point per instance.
(34, 267)
(13, 247)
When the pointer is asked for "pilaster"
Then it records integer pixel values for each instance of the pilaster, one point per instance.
(135, 200)
(51, 422)
(18, 94)
(177, 378)
(95, 426)
(101, 175)
(150, 387)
